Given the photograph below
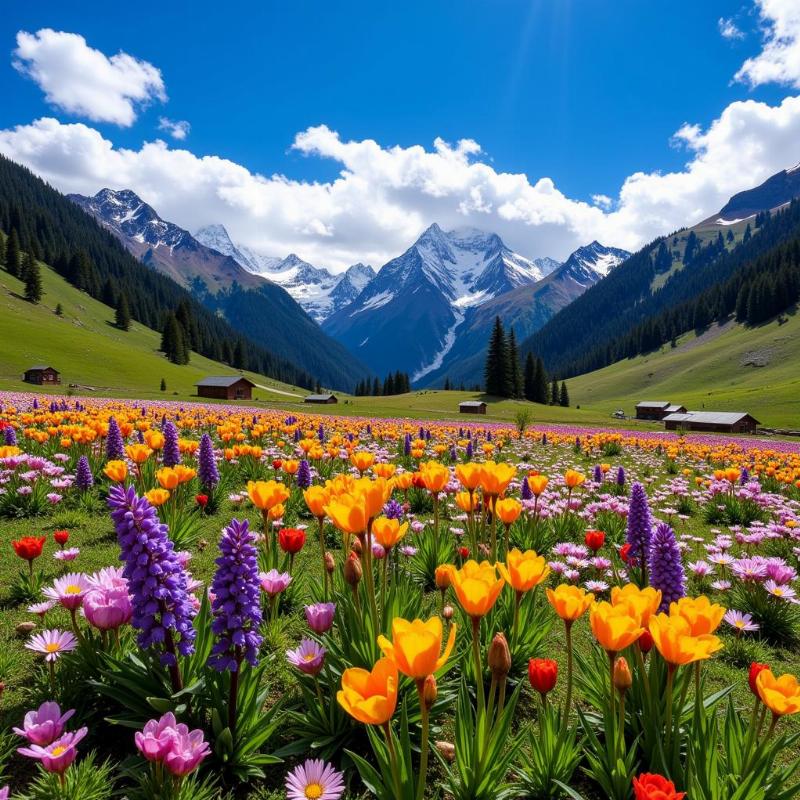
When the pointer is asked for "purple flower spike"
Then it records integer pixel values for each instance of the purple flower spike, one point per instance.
(640, 522)
(207, 469)
(666, 568)
(171, 454)
(115, 447)
(83, 475)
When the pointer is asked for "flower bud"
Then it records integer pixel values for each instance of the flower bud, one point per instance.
(357, 546)
(499, 657)
(429, 691)
(447, 749)
(646, 642)
(330, 563)
(623, 680)
(755, 669)
(543, 674)
(352, 570)
(447, 613)
(442, 576)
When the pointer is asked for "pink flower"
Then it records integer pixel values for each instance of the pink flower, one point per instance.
(44, 725)
(314, 778)
(107, 578)
(4, 793)
(68, 590)
(319, 616)
(274, 582)
(41, 609)
(108, 609)
(155, 739)
(308, 657)
(186, 753)
(70, 554)
(52, 643)
(59, 754)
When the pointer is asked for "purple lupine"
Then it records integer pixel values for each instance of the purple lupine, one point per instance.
(640, 522)
(745, 476)
(525, 490)
(469, 450)
(237, 600)
(666, 567)
(453, 454)
(140, 437)
(620, 476)
(597, 474)
(303, 476)
(321, 433)
(115, 447)
(297, 435)
(171, 454)
(544, 438)
(407, 445)
(393, 510)
(158, 584)
(83, 474)
(10, 436)
(207, 469)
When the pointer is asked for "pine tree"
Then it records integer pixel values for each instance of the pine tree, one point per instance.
(747, 234)
(554, 393)
(529, 384)
(163, 385)
(13, 258)
(122, 317)
(447, 386)
(563, 397)
(376, 388)
(514, 365)
(540, 394)
(33, 279)
(496, 373)
(172, 343)
(59, 310)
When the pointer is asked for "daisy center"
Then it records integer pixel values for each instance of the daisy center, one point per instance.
(314, 791)
(57, 751)
(309, 656)
(52, 647)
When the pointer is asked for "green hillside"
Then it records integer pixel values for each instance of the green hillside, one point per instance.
(727, 368)
(89, 351)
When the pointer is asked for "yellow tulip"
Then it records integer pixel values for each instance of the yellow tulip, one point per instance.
(780, 695)
(362, 460)
(167, 477)
(673, 638)
(523, 571)
(157, 497)
(388, 532)
(466, 502)
(266, 494)
(375, 494)
(290, 466)
(370, 696)
(348, 513)
(496, 477)
(403, 481)
(573, 479)
(476, 586)
(316, 498)
(138, 453)
(641, 603)
(613, 627)
(469, 475)
(702, 615)
(416, 646)
(508, 510)
(276, 512)
(116, 471)
(153, 439)
(384, 470)
(538, 483)
(570, 602)
(434, 475)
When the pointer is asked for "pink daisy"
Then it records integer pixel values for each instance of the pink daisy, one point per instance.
(52, 643)
(314, 780)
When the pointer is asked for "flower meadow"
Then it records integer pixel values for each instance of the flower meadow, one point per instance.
(207, 601)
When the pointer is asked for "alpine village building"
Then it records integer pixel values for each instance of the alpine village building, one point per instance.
(226, 387)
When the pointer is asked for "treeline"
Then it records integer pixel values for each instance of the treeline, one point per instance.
(505, 376)
(50, 228)
(619, 318)
(394, 383)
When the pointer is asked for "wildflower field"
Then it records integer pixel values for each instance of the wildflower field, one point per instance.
(207, 601)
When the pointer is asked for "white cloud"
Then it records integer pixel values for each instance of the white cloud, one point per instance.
(729, 29)
(177, 129)
(83, 81)
(384, 197)
(779, 59)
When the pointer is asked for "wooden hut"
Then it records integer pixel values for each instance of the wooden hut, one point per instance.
(42, 375)
(226, 387)
(321, 399)
(472, 407)
(712, 422)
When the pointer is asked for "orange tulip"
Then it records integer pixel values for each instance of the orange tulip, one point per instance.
(702, 615)
(613, 627)
(641, 603)
(167, 477)
(316, 498)
(375, 494)
(466, 502)
(266, 494)
(780, 695)
(523, 571)
(538, 483)
(153, 439)
(370, 697)
(388, 532)
(362, 460)
(416, 646)
(507, 510)
(348, 513)
(138, 453)
(496, 477)
(672, 636)
(469, 475)
(573, 479)
(570, 602)
(476, 586)
(157, 497)
(116, 471)
(434, 475)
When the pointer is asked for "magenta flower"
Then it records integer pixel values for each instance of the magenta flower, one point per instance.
(52, 643)
(107, 578)
(154, 741)
(319, 616)
(68, 590)
(781, 591)
(69, 554)
(309, 657)
(186, 752)
(274, 582)
(4, 793)
(108, 609)
(59, 754)
(316, 779)
(40, 609)
(44, 725)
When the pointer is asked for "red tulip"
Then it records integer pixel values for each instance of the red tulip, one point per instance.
(61, 537)
(277, 464)
(646, 642)
(291, 540)
(463, 552)
(595, 540)
(542, 673)
(29, 548)
(623, 552)
(201, 500)
(755, 669)
(655, 787)
(417, 481)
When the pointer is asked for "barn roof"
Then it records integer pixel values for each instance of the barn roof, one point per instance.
(40, 367)
(327, 396)
(710, 417)
(675, 408)
(652, 404)
(472, 403)
(223, 380)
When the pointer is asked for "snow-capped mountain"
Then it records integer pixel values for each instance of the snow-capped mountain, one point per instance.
(316, 289)
(590, 263)
(406, 318)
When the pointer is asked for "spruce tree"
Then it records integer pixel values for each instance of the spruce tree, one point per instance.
(540, 394)
(163, 385)
(376, 388)
(496, 373)
(529, 385)
(59, 310)
(33, 280)
(13, 257)
(554, 393)
(515, 369)
(122, 317)
(563, 398)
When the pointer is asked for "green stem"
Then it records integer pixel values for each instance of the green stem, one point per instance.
(568, 700)
(668, 717)
(387, 732)
(423, 755)
(476, 652)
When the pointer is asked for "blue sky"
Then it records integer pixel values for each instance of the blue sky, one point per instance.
(585, 93)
